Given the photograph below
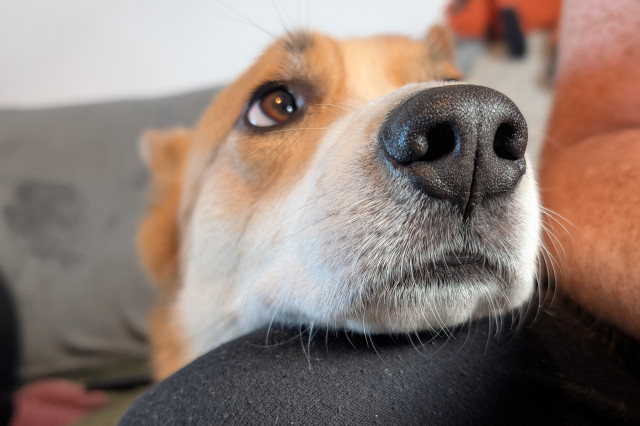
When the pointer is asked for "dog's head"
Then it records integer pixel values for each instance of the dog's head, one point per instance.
(344, 184)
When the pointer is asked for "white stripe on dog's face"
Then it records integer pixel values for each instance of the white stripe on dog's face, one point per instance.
(303, 223)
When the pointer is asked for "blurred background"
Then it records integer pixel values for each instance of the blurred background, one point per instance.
(80, 81)
(71, 52)
(76, 51)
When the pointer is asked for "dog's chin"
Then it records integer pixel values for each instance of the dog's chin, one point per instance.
(454, 294)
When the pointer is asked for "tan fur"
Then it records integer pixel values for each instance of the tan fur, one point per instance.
(257, 171)
(441, 50)
(164, 153)
(167, 342)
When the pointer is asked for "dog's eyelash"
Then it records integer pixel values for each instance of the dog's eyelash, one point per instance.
(263, 88)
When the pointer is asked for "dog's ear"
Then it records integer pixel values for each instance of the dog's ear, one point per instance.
(440, 43)
(165, 154)
(441, 48)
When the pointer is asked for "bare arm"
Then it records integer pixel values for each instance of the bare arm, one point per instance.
(591, 161)
(598, 82)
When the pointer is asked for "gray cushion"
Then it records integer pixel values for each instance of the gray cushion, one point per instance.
(72, 192)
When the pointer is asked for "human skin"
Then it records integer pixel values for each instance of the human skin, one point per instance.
(590, 174)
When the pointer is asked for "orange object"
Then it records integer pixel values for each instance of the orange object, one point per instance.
(482, 18)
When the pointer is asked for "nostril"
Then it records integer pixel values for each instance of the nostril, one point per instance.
(509, 143)
(441, 140)
(423, 144)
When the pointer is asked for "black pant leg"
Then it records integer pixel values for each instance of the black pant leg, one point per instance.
(549, 369)
(8, 351)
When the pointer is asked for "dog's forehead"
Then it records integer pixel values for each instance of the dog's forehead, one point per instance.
(378, 65)
(356, 69)
(359, 69)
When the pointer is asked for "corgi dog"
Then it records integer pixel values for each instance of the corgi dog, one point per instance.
(343, 184)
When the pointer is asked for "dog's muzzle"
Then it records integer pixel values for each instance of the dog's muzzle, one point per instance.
(462, 143)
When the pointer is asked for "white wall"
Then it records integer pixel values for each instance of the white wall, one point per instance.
(56, 52)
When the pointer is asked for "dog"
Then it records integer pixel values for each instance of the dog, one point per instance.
(345, 184)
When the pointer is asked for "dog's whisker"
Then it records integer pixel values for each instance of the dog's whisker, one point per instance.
(545, 293)
(553, 239)
(273, 317)
(334, 105)
(555, 142)
(549, 262)
(346, 334)
(438, 318)
(310, 338)
(553, 216)
(559, 216)
(551, 282)
(245, 20)
(486, 346)
(298, 129)
(422, 344)
(281, 18)
(301, 333)
(415, 347)
(553, 263)
(542, 266)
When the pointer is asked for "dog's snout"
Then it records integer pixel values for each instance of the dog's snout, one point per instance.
(463, 143)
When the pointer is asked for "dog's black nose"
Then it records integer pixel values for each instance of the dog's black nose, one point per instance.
(463, 143)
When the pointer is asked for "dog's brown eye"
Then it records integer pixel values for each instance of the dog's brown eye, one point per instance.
(274, 107)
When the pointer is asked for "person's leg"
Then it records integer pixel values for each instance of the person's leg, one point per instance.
(590, 171)
(553, 369)
(8, 352)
